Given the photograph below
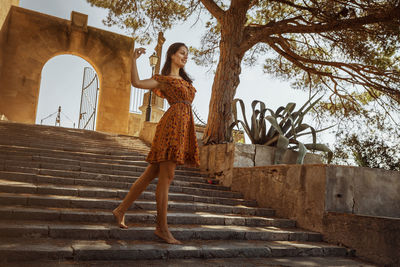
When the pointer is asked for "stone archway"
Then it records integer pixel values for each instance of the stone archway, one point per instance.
(62, 79)
(30, 39)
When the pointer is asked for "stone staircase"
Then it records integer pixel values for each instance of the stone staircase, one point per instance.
(58, 187)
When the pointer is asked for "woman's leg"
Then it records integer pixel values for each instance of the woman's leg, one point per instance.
(137, 188)
(167, 171)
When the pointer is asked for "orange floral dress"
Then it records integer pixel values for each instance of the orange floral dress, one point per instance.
(175, 137)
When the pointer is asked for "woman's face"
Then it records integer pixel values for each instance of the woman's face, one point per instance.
(180, 57)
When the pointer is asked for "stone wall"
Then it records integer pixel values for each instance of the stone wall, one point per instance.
(319, 198)
(374, 238)
(294, 191)
(363, 191)
(5, 6)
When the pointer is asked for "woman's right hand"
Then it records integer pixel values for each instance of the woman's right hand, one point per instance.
(138, 52)
(135, 81)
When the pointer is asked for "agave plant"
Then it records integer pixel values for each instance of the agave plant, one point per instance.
(286, 127)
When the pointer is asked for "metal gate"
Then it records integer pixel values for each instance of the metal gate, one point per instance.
(90, 89)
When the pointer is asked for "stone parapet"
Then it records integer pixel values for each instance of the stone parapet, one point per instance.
(220, 159)
(249, 155)
(363, 191)
(343, 203)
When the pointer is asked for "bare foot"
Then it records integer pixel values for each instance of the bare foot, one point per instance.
(166, 236)
(120, 219)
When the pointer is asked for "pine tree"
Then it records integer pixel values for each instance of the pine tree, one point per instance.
(345, 48)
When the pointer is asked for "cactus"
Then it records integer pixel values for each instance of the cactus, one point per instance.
(286, 127)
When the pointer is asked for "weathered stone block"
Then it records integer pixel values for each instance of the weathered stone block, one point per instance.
(135, 124)
(59, 191)
(217, 161)
(25, 231)
(235, 221)
(244, 155)
(377, 192)
(79, 20)
(184, 252)
(264, 155)
(340, 189)
(363, 191)
(281, 250)
(36, 214)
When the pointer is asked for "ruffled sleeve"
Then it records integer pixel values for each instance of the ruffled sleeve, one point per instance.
(164, 82)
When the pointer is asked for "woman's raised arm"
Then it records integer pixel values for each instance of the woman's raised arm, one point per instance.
(136, 82)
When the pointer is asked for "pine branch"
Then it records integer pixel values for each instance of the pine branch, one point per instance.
(259, 33)
(357, 74)
(214, 9)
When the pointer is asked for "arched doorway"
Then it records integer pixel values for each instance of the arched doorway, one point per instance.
(68, 93)
(36, 38)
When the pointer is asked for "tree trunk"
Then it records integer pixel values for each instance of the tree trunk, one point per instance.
(226, 81)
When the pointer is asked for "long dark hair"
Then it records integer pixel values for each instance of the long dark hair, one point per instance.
(166, 70)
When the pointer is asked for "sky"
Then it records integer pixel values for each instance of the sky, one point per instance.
(61, 82)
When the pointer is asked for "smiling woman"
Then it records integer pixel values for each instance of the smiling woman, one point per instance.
(61, 85)
(174, 142)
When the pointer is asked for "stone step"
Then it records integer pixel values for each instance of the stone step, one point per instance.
(59, 185)
(90, 167)
(84, 180)
(44, 229)
(181, 178)
(11, 186)
(16, 212)
(302, 261)
(57, 201)
(44, 136)
(62, 153)
(61, 144)
(25, 154)
(124, 163)
(62, 249)
(50, 130)
(100, 176)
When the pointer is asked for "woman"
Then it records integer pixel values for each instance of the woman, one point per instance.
(175, 140)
